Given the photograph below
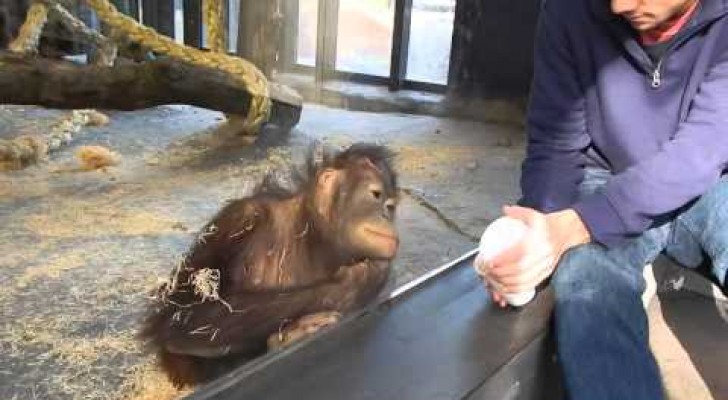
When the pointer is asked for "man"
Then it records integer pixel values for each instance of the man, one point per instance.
(628, 143)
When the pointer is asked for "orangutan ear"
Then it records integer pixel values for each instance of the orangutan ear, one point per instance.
(327, 183)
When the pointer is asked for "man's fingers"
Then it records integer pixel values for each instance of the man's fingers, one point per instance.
(481, 266)
(519, 274)
(498, 299)
(517, 279)
(499, 272)
(494, 294)
(527, 284)
(509, 256)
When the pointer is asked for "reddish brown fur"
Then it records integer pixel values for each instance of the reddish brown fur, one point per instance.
(279, 259)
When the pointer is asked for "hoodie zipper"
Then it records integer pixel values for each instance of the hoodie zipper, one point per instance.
(657, 74)
(655, 70)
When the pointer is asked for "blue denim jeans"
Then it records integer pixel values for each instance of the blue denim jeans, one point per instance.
(601, 324)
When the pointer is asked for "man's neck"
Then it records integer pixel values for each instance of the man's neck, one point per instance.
(670, 28)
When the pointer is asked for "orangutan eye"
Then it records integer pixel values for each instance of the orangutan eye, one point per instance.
(377, 194)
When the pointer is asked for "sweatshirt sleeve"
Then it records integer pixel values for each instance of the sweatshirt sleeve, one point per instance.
(684, 169)
(556, 125)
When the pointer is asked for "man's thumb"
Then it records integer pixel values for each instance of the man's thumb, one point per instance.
(527, 215)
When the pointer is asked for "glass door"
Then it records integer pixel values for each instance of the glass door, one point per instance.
(430, 40)
(400, 43)
(364, 36)
(307, 32)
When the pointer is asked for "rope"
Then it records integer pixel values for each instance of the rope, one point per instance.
(213, 20)
(106, 47)
(248, 74)
(29, 35)
(242, 70)
(213, 14)
(21, 151)
(76, 24)
(24, 150)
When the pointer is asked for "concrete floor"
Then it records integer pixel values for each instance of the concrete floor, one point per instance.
(80, 251)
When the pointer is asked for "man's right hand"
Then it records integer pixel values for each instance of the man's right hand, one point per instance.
(525, 265)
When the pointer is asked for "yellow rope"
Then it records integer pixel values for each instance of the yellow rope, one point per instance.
(213, 13)
(254, 81)
(106, 48)
(29, 35)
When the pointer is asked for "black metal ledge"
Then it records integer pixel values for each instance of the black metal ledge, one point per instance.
(440, 339)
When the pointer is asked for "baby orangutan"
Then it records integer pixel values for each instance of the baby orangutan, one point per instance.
(279, 265)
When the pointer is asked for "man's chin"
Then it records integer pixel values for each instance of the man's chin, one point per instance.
(643, 26)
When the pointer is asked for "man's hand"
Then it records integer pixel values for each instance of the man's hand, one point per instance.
(527, 264)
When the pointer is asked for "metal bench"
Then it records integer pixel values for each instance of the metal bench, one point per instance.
(439, 338)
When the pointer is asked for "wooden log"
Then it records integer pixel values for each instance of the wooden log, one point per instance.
(133, 86)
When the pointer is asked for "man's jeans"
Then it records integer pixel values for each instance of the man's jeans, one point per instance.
(601, 324)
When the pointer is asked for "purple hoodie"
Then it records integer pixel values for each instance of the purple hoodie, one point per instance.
(598, 100)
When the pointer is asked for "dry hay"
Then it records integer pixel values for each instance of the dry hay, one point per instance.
(93, 354)
(231, 181)
(87, 362)
(96, 118)
(87, 352)
(24, 150)
(96, 157)
(147, 382)
(52, 268)
(202, 145)
(9, 254)
(135, 284)
(206, 283)
(15, 187)
(21, 151)
(111, 365)
(207, 145)
(72, 218)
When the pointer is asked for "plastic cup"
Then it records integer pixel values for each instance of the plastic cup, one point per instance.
(500, 235)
